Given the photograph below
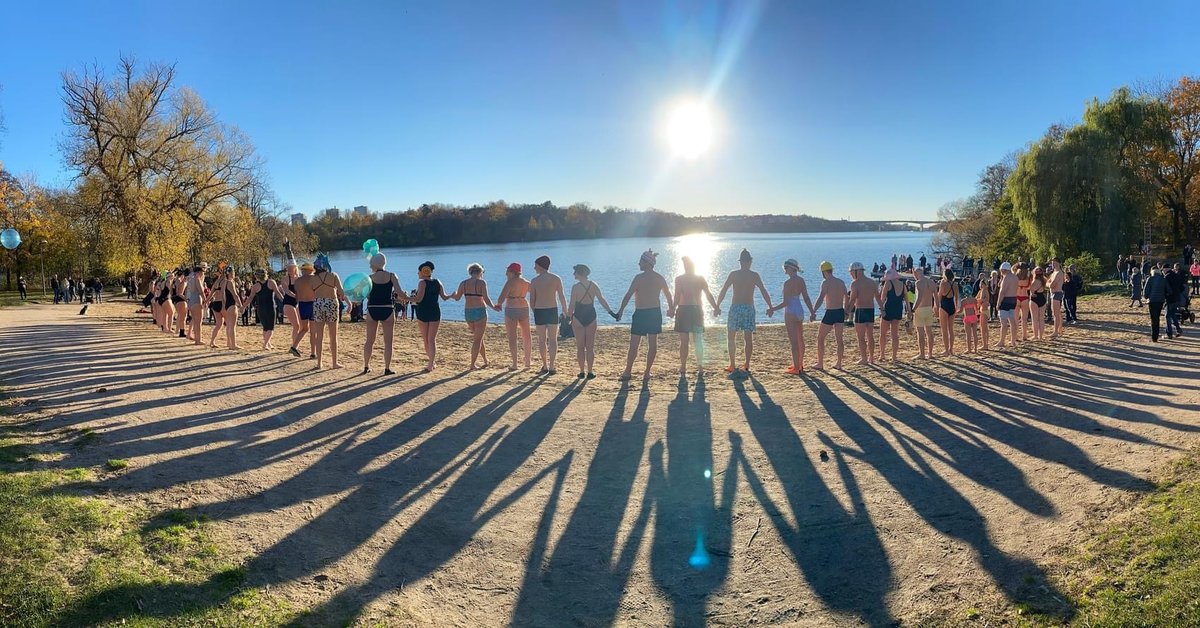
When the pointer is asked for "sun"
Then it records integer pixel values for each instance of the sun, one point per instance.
(690, 130)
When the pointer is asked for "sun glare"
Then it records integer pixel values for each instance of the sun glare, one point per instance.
(689, 130)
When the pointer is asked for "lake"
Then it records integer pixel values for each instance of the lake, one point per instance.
(614, 261)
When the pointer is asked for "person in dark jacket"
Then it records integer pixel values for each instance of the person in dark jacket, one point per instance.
(1156, 293)
(1071, 289)
(1176, 297)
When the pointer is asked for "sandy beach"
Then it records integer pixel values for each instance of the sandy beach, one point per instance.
(865, 496)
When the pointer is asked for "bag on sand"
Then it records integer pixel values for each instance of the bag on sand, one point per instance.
(564, 327)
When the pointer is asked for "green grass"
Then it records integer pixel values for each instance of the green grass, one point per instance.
(1141, 568)
(10, 298)
(116, 464)
(71, 559)
(1108, 287)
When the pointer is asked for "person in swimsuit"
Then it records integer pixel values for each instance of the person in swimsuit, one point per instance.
(195, 291)
(303, 287)
(892, 294)
(1057, 278)
(985, 297)
(833, 297)
(645, 290)
(970, 311)
(429, 311)
(545, 295)
(290, 313)
(689, 314)
(224, 303)
(582, 312)
(743, 281)
(794, 291)
(1007, 299)
(262, 295)
(166, 307)
(1023, 278)
(385, 291)
(474, 288)
(947, 310)
(864, 295)
(328, 295)
(925, 290)
(1037, 302)
(178, 300)
(515, 305)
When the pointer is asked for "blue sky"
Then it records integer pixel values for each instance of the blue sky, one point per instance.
(836, 109)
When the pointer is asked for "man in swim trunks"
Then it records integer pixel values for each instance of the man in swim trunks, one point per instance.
(1008, 303)
(833, 296)
(923, 317)
(741, 312)
(1057, 277)
(647, 316)
(543, 290)
(689, 313)
(303, 287)
(864, 294)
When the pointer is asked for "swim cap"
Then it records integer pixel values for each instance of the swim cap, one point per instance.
(791, 263)
(378, 261)
(649, 257)
(826, 265)
(426, 264)
(514, 268)
(1006, 266)
(582, 269)
(857, 266)
(543, 261)
(322, 263)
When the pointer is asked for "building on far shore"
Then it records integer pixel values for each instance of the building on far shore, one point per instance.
(332, 213)
(299, 219)
(361, 210)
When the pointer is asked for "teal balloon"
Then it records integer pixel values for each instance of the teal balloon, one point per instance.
(357, 286)
(370, 247)
(10, 238)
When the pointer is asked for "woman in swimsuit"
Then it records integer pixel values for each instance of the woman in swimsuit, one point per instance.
(582, 313)
(892, 293)
(166, 309)
(1022, 272)
(195, 291)
(1037, 302)
(385, 293)
(947, 309)
(516, 312)
(475, 310)
(286, 287)
(327, 295)
(795, 300)
(177, 300)
(984, 298)
(224, 302)
(429, 311)
(262, 295)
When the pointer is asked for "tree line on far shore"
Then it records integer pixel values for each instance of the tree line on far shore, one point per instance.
(499, 221)
(1133, 160)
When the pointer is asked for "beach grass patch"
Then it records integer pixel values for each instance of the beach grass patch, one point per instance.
(70, 559)
(116, 464)
(1143, 568)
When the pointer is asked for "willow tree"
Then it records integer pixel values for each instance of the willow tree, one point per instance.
(1079, 189)
(158, 165)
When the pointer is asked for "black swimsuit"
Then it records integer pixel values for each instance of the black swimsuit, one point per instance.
(265, 304)
(379, 300)
(428, 309)
(287, 298)
(585, 313)
(175, 296)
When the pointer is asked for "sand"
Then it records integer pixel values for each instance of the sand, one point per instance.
(871, 495)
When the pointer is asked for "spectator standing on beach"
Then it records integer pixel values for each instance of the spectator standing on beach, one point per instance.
(56, 287)
(1176, 297)
(689, 313)
(645, 290)
(1194, 271)
(545, 296)
(795, 299)
(741, 312)
(1189, 254)
(833, 297)
(22, 288)
(1156, 293)
(864, 295)
(1136, 284)
(1070, 289)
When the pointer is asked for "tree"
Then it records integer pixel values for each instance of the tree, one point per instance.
(1174, 165)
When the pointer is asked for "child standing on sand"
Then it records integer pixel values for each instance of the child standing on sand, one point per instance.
(970, 311)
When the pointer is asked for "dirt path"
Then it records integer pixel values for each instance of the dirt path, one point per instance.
(869, 496)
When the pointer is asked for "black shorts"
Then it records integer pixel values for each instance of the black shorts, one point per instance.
(834, 317)
(545, 316)
(864, 315)
(646, 322)
(689, 319)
